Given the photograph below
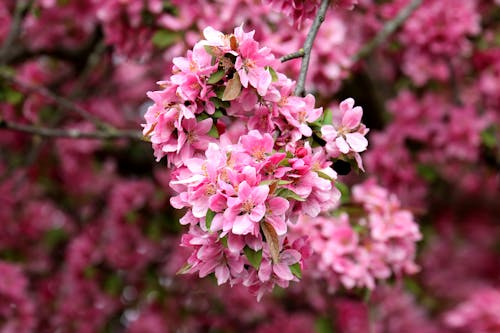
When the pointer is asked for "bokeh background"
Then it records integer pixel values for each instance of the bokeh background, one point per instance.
(88, 240)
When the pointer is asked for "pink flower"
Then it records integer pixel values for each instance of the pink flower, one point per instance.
(349, 135)
(246, 211)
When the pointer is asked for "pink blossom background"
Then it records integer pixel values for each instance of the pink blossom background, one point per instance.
(90, 242)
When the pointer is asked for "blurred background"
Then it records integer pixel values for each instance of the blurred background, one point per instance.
(88, 240)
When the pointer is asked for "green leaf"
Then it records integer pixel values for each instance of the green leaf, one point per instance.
(214, 132)
(223, 240)
(324, 175)
(219, 91)
(164, 38)
(427, 172)
(274, 76)
(272, 240)
(233, 88)
(344, 191)
(54, 236)
(216, 77)
(212, 50)
(267, 182)
(323, 325)
(113, 285)
(218, 114)
(254, 257)
(295, 268)
(289, 194)
(208, 219)
(327, 117)
(488, 137)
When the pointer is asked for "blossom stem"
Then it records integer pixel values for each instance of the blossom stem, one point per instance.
(311, 35)
(388, 29)
(71, 133)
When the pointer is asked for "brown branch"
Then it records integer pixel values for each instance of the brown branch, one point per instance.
(61, 101)
(308, 44)
(71, 133)
(22, 8)
(388, 29)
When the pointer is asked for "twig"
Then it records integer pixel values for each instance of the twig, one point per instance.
(294, 55)
(311, 35)
(22, 8)
(455, 90)
(71, 133)
(61, 101)
(389, 28)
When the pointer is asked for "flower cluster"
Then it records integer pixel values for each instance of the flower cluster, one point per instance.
(250, 158)
(302, 10)
(479, 314)
(374, 240)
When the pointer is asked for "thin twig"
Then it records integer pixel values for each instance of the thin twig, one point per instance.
(22, 8)
(388, 29)
(311, 35)
(61, 101)
(71, 133)
(294, 55)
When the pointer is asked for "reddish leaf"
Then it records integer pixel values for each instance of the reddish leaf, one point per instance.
(272, 240)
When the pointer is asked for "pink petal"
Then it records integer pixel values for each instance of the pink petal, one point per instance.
(342, 145)
(278, 224)
(283, 271)
(222, 274)
(278, 205)
(357, 141)
(329, 133)
(352, 118)
(259, 193)
(242, 225)
(258, 213)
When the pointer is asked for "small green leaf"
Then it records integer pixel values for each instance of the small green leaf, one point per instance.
(233, 88)
(209, 217)
(214, 132)
(212, 50)
(289, 194)
(274, 76)
(164, 38)
(113, 285)
(323, 325)
(327, 117)
(218, 114)
(427, 172)
(272, 240)
(216, 77)
(344, 191)
(295, 268)
(267, 182)
(324, 175)
(254, 257)
(488, 137)
(219, 91)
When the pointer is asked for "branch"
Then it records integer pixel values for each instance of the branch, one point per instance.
(61, 101)
(389, 28)
(311, 35)
(22, 8)
(71, 133)
(294, 55)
